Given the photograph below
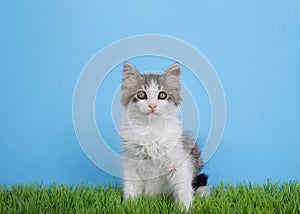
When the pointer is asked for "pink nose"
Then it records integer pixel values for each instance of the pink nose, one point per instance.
(152, 107)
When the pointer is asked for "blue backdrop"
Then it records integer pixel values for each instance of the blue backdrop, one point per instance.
(254, 47)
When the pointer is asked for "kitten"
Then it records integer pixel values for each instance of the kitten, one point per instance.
(159, 158)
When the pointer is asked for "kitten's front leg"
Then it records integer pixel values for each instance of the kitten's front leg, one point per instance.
(132, 188)
(181, 180)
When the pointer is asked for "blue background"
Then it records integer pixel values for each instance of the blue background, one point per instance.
(253, 45)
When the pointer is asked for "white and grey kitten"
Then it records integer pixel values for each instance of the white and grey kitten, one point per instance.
(159, 158)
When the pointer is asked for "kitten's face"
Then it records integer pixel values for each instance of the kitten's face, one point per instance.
(151, 94)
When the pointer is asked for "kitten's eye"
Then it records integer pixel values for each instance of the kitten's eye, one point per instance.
(162, 95)
(142, 95)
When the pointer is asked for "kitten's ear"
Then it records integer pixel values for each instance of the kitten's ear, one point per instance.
(130, 75)
(172, 74)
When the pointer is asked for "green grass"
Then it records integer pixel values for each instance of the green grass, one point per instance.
(225, 198)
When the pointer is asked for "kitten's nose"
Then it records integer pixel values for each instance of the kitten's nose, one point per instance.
(152, 107)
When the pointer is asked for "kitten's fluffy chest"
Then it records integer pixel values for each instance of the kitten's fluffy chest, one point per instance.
(150, 140)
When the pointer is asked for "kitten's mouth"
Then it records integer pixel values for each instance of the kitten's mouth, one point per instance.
(152, 113)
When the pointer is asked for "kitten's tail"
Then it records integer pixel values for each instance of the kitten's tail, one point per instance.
(199, 180)
(200, 185)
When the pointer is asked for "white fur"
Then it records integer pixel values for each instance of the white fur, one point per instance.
(154, 159)
(203, 191)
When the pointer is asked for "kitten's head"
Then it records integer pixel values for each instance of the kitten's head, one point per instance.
(151, 94)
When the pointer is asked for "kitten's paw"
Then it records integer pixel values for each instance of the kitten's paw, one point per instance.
(132, 189)
(203, 191)
(131, 195)
(185, 200)
(128, 196)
